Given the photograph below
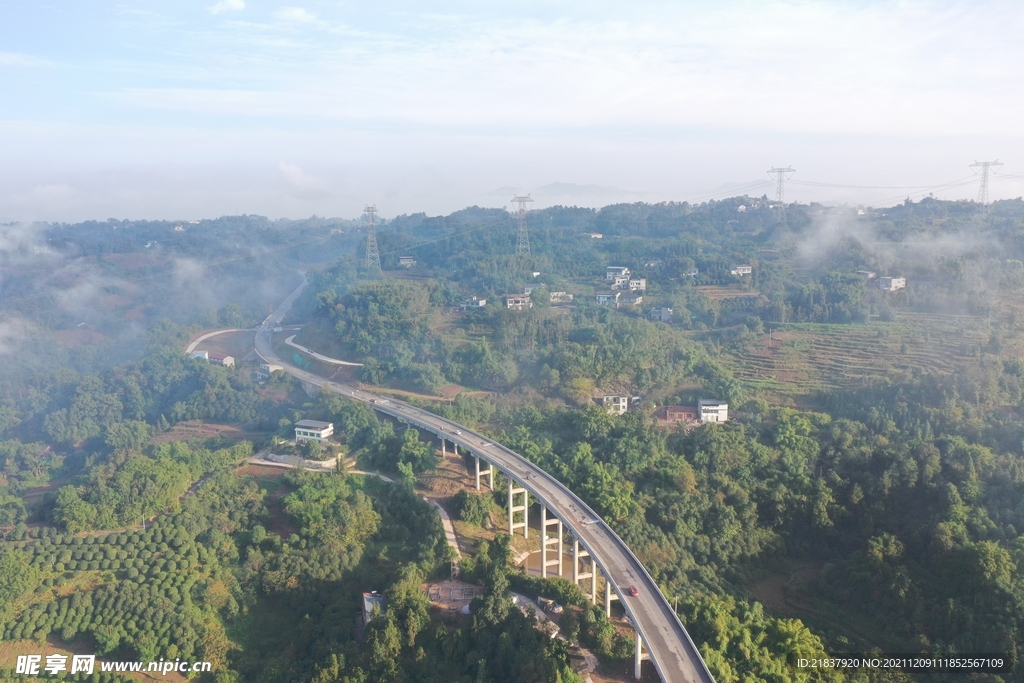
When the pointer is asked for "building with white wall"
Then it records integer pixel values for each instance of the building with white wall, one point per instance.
(713, 411)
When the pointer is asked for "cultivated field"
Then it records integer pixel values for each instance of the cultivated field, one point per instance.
(804, 357)
(199, 430)
(723, 292)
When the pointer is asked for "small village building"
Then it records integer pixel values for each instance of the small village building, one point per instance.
(638, 284)
(616, 405)
(594, 235)
(406, 261)
(608, 299)
(742, 270)
(561, 298)
(682, 414)
(661, 315)
(741, 208)
(221, 359)
(867, 274)
(200, 355)
(713, 411)
(891, 284)
(620, 282)
(632, 299)
(518, 301)
(266, 370)
(313, 430)
(475, 302)
(611, 272)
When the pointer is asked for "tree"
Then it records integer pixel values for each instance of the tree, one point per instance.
(570, 624)
(17, 576)
(73, 513)
(130, 435)
(384, 645)
(416, 453)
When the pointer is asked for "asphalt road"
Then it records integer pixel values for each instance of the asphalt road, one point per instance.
(669, 645)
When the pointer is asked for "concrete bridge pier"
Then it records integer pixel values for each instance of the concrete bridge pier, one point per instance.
(546, 543)
(639, 657)
(489, 473)
(578, 576)
(514, 491)
(609, 595)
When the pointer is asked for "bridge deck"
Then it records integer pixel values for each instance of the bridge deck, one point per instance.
(673, 652)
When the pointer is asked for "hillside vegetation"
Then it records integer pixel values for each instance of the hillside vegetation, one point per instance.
(866, 494)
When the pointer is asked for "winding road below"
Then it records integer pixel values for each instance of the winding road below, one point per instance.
(669, 646)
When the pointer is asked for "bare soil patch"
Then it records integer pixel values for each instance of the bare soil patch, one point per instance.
(449, 478)
(450, 391)
(260, 471)
(451, 595)
(199, 430)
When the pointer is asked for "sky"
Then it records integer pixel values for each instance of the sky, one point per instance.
(184, 110)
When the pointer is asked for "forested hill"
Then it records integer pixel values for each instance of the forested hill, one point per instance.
(84, 295)
(870, 480)
(864, 495)
(822, 265)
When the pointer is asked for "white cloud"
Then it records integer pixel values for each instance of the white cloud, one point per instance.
(881, 68)
(303, 183)
(226, 6)
(295, 14)
(19, 59)
(388, 99)
(13, 333)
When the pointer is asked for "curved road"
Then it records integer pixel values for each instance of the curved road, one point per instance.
(669, 645)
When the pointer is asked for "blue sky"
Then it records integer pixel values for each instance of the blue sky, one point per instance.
(196, 109)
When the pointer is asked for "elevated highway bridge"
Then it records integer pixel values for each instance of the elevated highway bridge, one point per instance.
(597, 549)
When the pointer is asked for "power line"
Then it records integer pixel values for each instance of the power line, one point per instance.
(732, 192)
(862, 187)
(961, 182)
(983, 187)
(372, 255)
(523, 239)
(781, 175)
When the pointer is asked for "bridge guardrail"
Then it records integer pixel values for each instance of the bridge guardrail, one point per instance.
(702, 669)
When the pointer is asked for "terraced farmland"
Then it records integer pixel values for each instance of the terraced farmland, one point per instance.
(803, 357)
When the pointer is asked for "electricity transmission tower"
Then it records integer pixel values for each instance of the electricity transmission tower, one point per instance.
(372, 255)
(523, 240)
(983, 188)
(780, 176)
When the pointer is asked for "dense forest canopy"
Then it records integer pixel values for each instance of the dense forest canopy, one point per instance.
(867, 493)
